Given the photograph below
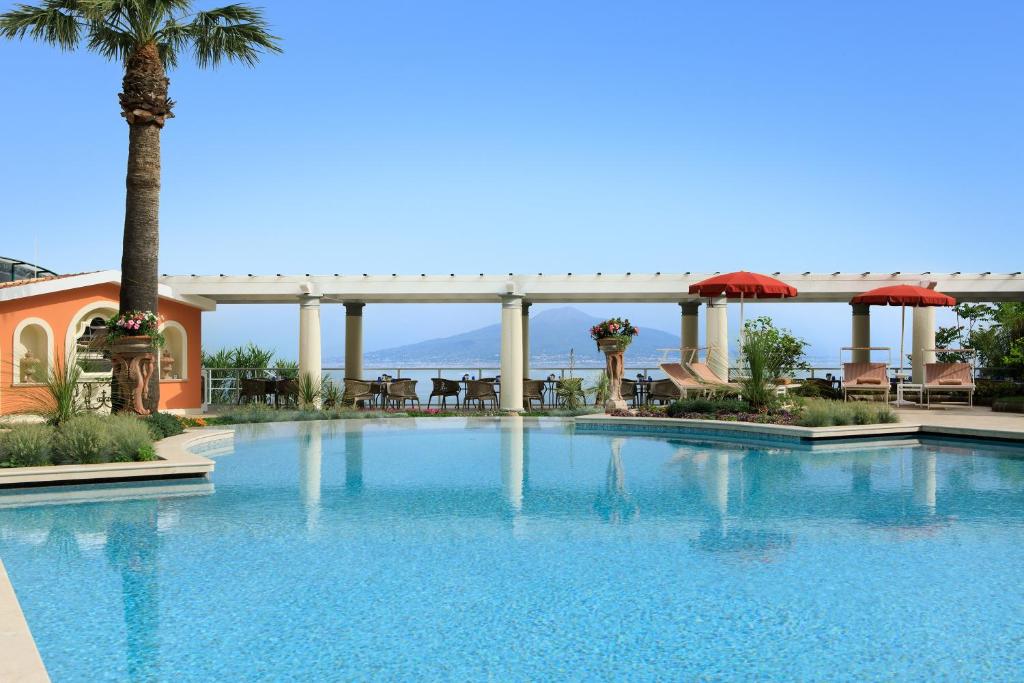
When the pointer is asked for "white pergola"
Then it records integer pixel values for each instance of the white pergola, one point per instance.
(515, 293)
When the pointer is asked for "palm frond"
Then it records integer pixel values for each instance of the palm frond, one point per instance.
(110, 42)
(237, 33)
(57, 22)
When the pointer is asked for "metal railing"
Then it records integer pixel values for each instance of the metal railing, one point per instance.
(223, 385)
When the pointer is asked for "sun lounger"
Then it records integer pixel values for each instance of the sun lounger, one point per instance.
(948, 378)
(707, 376)
(868, 378)
(683, 379)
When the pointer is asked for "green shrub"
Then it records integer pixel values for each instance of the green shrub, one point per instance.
(705, 406)
(1011, 404)
(822, 413)
(146, 453)
(82, 439)
(128, 436)
(26, 445)
(162, 425)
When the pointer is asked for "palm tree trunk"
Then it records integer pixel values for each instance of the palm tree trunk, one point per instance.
(145, 106)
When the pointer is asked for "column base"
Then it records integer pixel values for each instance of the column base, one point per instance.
(615, 404)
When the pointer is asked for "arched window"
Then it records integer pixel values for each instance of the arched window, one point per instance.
(174, 355)
(86, 327)
(33, 351)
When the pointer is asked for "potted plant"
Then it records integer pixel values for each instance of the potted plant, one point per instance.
(612, 337)
(133, 338)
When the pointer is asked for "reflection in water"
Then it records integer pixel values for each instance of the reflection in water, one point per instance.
(311, 441)
(861, 480)
(924, 480)
(354, 457)
(131, 549)
(512, 460)
(614, 504)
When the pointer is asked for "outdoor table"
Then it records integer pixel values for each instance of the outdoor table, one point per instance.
(550, 393)
(903, 388)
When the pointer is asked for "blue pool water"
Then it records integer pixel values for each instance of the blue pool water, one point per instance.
(455, 550)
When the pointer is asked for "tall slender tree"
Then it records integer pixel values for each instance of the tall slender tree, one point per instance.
(147, 37)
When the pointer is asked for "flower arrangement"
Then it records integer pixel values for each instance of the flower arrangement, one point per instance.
(614, 328)
(136, 324)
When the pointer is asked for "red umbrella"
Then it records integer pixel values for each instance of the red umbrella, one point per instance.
(903, 296)
(743, 284)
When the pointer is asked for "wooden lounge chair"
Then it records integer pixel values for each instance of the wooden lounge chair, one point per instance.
(684, 380)
(869, 378)
(442, 389)
(663, 391)
(533, 390)
(948, 378)
(357, 390)
(480, 391)
(705, 375)
(403, 391)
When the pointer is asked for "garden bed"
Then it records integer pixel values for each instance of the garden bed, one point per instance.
(802, 413)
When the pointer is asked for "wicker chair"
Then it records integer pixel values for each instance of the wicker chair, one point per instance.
(663, 391)
(357, 390)
(533, 390)
(442, 389)
(627, 388)
(481, 392)
(287, 393)
(252, 391)
(403, 391)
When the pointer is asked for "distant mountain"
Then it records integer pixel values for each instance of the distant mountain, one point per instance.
(552, 334)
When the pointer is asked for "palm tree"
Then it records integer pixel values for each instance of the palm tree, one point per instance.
(147, 36)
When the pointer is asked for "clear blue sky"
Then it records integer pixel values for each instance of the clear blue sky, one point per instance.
(546, 136)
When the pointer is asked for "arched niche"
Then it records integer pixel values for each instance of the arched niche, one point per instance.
(33, 351)
(173, 358)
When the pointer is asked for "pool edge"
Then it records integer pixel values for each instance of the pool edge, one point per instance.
(21, 661)
(174, 460)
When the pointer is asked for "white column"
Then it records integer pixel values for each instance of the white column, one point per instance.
(923, 469)
(512, 460)
(718, 337)
(309, 336)
(688, 330)
(860, 332)
(512, 352)
(526, 340)
(354, 340)
(924, 338)
(310, 456)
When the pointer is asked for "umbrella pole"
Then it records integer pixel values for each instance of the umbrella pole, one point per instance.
(903, 327)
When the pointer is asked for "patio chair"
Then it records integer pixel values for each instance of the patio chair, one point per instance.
(252, 391)
(663, 391)
(705, 375)
(480, 391)
(533, 390)
(627, 389)
(442, 389)
(948, 378)
(357, 390)
(683, 379)
(403, 391)
(287, 393)
(869, 378)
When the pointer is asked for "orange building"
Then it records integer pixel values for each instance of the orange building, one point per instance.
(43, 318)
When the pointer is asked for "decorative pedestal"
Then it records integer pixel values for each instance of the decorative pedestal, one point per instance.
(613, 353)
(134, 361)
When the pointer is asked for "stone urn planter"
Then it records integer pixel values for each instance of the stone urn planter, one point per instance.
(613, 350)
(134, 360)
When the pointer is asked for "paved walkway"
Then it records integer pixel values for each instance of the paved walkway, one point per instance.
(963, 417)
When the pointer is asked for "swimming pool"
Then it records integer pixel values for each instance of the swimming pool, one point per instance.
(469, 550)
